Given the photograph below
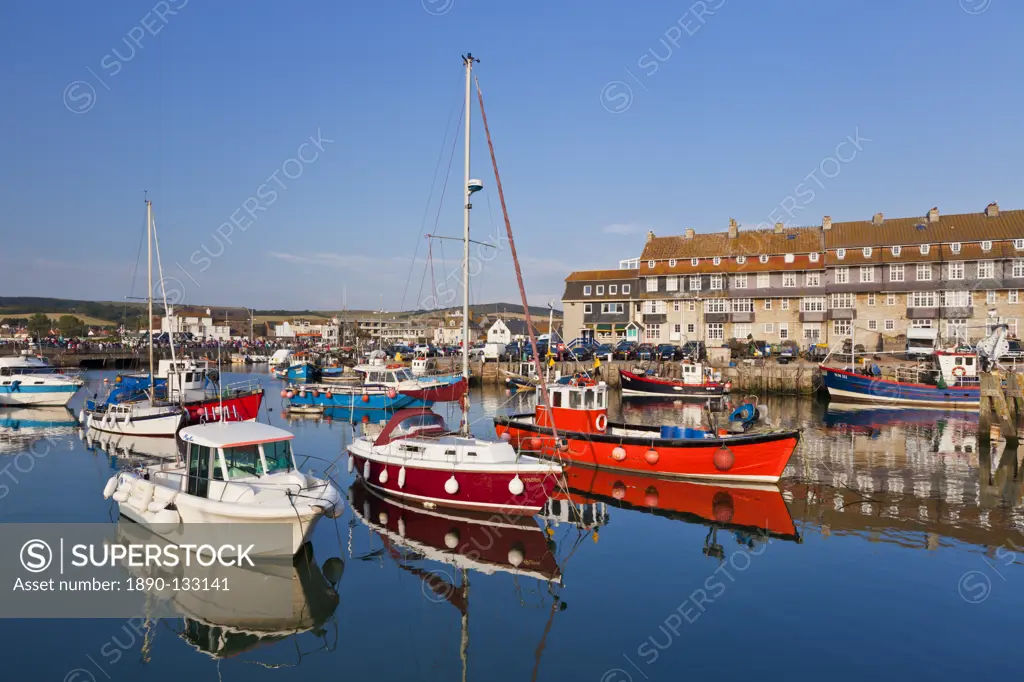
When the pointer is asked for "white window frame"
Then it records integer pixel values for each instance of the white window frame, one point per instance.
(671, 262)
(867, 274)
(872, 325)
(897, 272)
(986, 269)
(866, 251)
(896, 250)
(991, 297)
(842, 301)
(789, 280)
(695, 262)
(672, 283)
(1017, 269)
(784, 304)
(763, 258)
(922, 299)
(1013, 296)
(741, 259)
(986, 246)
(1018, 244)
(783, 331)
(871, 299)
(890, 325)
(813, 257)
(767, 304)
(625, 289)
(955, 271)
(925, 248)
(813, 304)
(716, 260)
(840, 254)
(650, 264)
(769, 328)
(613, 289)
(843, 275)
(600, 290)
(890, 300)
(739, 281)
(588, 308)
(587, 290)
(764, 280)
(812, 279)
(715, 283)
(742, 305)
(715, 331)
(652, 284)
(695, 284)
(923, 268)
(955, 247)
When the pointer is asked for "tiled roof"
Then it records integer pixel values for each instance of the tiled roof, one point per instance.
(600, 275)
(962, 227)
(912, 254)
(730, 265)
(746, 243)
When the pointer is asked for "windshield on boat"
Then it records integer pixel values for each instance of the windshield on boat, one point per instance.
(403, 374)
(243, 461)
(279, 456)
(420, 422)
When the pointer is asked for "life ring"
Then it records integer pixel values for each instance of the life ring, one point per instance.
(601, 423)
(584, 381)
(959, 371)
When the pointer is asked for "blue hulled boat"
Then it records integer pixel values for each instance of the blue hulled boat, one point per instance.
(953, 382)
(352, 397)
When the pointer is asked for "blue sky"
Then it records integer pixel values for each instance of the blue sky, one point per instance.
(610, 118)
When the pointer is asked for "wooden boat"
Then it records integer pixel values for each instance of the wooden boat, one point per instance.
(586, 437)
(696, 383)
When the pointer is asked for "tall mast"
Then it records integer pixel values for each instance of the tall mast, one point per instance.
(468, 61)
(149, 271)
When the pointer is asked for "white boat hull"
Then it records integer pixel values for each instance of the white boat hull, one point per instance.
(163, 426)
(55, 395)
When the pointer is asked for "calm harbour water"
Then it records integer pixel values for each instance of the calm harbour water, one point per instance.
(889, 550)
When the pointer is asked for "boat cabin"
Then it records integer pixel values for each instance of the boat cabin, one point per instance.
(422, 365)
(418, 421)
(223, 459)
(580, 405)
(694, 374)
(958, 369)
(384, 375)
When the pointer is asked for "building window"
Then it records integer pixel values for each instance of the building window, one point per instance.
(813, 257)
(769, 327)
(842, 328)
(716, 305)
(1018, 244)
(991, 297)
(650, 264)
(716, 282)
(867, 252)
(783, 330)
(842, 301)
(871, 299)
(867, 274)
(587, 308)
(672, 283)
(842, 275)
(613, 289)
(652, 284)
(716, 331)
(763, 280)
(716, 260)
(631, 264)
(812, 331)
(741, 331)
(986, 269)
(789, 258)
(694, 282)
(896, 272)
(652, 332)
(741, 259)
(956, 299)
(924, 273)
(789, 279)
(955, 270)
(767, 304)
(695, 262)
(763, 258)
(896, 250)
(955, 247)
(840, 254)
(600, 290)
(613, 308)
(986, 246)
(675, 306)
(890, 300)
(691, 306)
(677, 329)
(691, 328)
(743, 305)
(739, 281)
(873, 325)
(922, 299)
(654, 307)
(925, 248)
(586, 290)
(812, 279)
(625, 289)
(671, 262)
(812, 304)
(1018, 268)
(890, 325)
(955, 328)
(1013, 296)
(785, 303)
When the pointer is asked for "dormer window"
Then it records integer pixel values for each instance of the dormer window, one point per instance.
(716, 260)
(867, 252)
(586, 292)
(789, 258)
(650, 264)
(741, 259)
(896, 250)
(986, 246)
(763, 258)
(813, 258)
(840, 254)
(925, 248)
(672, 262)
(1018, 244)
(955, 247)
(695, 262)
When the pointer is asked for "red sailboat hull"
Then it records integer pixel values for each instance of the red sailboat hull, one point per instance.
(439, 394)
(760, 458)
(478, 491)
(237, 408)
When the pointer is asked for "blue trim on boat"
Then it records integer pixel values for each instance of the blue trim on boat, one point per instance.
(844, 385)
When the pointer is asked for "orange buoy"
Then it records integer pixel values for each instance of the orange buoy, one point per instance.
(366, 398)
(619, 453)
(619, 490)
(284, 392)
(366, 419)
(651, 496)
(724, 459)
(316, 393)
(536, 443)
(722, 507)
(392, 393)
(652, 456)
(329, 395)
(289, 395)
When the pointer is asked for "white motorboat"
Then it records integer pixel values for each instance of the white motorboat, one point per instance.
(30, 380)
(232, 473)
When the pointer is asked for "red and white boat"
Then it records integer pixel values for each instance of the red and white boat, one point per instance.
(415, 457)
(695, 383)
(586, 437)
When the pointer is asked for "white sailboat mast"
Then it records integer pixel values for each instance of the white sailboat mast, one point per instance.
(149, 271)
(468, 61)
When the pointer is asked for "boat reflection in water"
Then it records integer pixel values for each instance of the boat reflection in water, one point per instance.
(21, 428)
(223, 624)
(754, 512)
(132, 450)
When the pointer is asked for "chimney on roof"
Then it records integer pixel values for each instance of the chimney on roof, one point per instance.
(826, 223)
(778, 228)
(877, 219)
(650, 235)
(734, 229)
(933, 215)
(689, 233)
(992, 210)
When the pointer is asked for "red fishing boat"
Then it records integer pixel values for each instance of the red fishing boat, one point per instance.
(585, 436)
(695, 382)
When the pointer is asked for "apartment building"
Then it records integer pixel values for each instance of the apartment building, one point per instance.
(868, 280)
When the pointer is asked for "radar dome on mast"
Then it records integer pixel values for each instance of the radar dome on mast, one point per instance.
(475, 185)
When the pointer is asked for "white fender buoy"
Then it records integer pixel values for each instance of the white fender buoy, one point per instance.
(401, 526)
(383, 518)
(515, 486)
(81, 416)
(516, 555)
(351, 463)
(401, 477)
(383, 478)
(451, 486)
(506, 437)
(120, 496)
(619, 453)
(366, 470)
(451, 538)
(157, 506)
(110, 487)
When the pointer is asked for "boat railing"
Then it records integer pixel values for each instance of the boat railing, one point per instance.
(245, 386)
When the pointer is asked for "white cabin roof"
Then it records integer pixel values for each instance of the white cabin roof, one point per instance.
(24, 361)
(233, 434)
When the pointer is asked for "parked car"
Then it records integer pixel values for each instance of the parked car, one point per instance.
(667, 351)
(580, 352)
(625, 350)
(1015, 351)
(604, 351)
(646, 351)
(476, 354)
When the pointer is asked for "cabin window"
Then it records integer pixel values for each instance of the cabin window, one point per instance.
(390, 377)
(588, 400)
(556, 398)
(574, 400)
(450, 452)
(243, 461)
(600, 399)
(188, 377)
(959, 361)
(278, 456)
(199, 471)
(970, 362)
